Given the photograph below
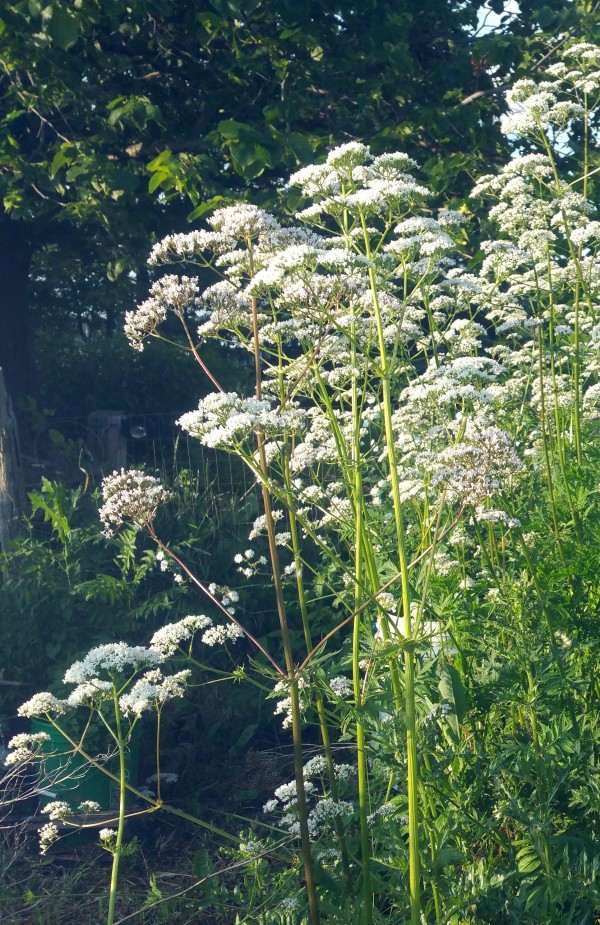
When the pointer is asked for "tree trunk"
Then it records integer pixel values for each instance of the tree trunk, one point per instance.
(16, 337)
(11, 480)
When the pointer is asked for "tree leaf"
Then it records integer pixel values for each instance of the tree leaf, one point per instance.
(63, 28)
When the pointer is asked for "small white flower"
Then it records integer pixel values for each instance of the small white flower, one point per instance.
(89, 806)
(153, 690)
(48, 834)
(58, 809)
(43, 703)
(25, 746)
(113, 658)
(130, 496)
(342, 687)
(168, 638)
(218, 635)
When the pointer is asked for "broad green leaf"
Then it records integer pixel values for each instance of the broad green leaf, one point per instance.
(160, 160)
(63, 28)
(157, 179)
(59, 160)
(204, 207)
(301, 147)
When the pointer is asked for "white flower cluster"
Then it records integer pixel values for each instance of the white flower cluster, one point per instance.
(178, 247)
(228, 596)
(41, 704)
(387, 811)
(352, 179)
(114, 658)
(341, 687)
(25, 746)
(152, 691)
(90, 693)
(228, 308)
(325, 812)
(130, 495)
(219, 635)
(486, 464)
(171, 293)
(259, 527)
(57, 810)
(89, 806)
(243, 222)
(224, 419)
(284, 705)
(316, 766)
(249, 563)
(169, 638)
(166, 777)
(48, 835)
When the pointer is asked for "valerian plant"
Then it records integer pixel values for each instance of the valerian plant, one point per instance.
(424, 438)
(414, 427)
(113, 687)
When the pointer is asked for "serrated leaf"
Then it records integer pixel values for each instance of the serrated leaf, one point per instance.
(527, 861)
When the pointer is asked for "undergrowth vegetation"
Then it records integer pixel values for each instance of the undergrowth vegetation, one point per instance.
(424, 434)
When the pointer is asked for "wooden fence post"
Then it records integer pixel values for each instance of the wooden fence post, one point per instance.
(12, 494)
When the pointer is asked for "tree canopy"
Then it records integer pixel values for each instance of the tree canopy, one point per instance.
(123, 120)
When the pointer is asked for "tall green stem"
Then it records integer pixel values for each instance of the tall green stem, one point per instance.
(363, 795)
(333, 788)
(546, 450)
(409, 657)
(116, 851)
(313, 901)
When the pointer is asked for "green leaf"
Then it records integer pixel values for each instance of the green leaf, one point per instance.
(157, 179)
(160, 160)
(447, 857)
(231, 130)
(243, 796)
(203, 866)
(546, 17)
(243, 738)
(301, 147)
(204, 207)
(59, 160)
(56, 437)
(63, 28)
(453, 691)
(527, 860)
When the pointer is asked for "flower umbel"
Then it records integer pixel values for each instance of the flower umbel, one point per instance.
(130, 496)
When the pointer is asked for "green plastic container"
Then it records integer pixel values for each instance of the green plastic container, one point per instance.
(70, 778)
